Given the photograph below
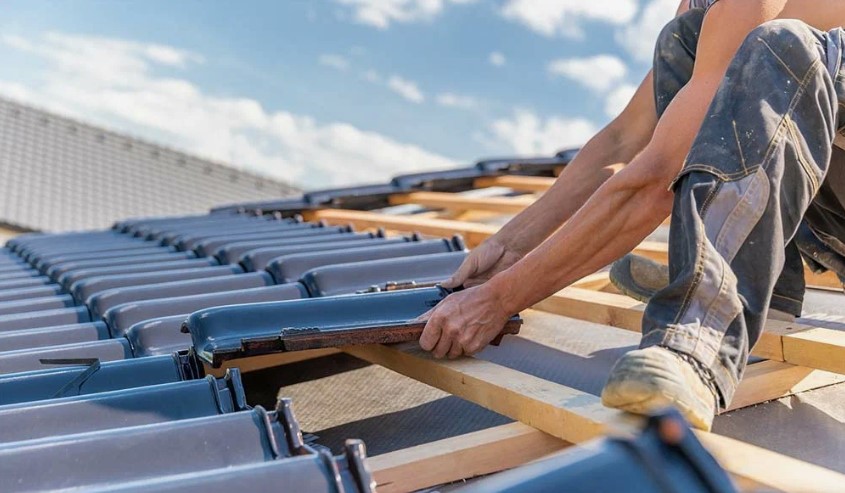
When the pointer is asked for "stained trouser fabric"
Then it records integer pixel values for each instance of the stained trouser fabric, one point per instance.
(760, 159)
(674, 60)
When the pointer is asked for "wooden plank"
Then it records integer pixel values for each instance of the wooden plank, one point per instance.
(600, 281)
(797, 344)
(473, 233)
(763, 381)
(761, 466)
(560, 411)
(768, 380)
(461, 457)
(575, 416)
(256, 363)
(808, 346)
(453, 201)
(518, 183)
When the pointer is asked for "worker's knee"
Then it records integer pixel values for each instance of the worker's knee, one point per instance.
(787, 43)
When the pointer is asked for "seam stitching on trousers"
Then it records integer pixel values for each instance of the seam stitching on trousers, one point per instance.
(699, 261)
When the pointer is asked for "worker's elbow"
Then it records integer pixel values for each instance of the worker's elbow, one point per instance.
(658, 200)
(649, 184)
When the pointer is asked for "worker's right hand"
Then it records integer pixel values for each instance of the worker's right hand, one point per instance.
(483, 262)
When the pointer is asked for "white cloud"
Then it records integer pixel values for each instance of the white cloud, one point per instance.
(371, 76)
(452, 100)
(381, 13)
(618, 98)
(598, 73)
(497, 59)
(408, 89)
(528, 134)
(117, 83)
(638, 37)
(564, 17)
(18, 92)
(336, 62)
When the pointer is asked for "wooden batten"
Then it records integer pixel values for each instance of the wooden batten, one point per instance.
(518, 183)
(575, 416)
(461, 457)
(256, 363)
(453, 201)
(800, 345)
(473, 233)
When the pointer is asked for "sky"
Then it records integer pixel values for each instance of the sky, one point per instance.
(325, 93)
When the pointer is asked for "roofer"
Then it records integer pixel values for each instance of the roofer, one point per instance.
(733, 133)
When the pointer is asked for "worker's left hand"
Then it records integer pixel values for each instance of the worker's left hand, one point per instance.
(463, 323)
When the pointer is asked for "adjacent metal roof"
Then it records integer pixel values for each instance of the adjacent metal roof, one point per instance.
(58, 174)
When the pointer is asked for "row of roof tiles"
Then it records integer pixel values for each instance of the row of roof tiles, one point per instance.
(105, 337)
(90, 329)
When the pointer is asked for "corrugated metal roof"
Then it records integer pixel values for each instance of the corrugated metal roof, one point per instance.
(58, 174)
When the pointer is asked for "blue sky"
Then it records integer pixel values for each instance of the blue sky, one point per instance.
(334, 92)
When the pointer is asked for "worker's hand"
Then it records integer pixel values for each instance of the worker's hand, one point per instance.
(463, 323)
(483, 262)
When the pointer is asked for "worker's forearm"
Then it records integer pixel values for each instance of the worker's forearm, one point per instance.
(613, 221)
(597, 161)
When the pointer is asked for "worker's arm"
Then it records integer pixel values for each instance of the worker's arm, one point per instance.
(600, 158)
(618, 216)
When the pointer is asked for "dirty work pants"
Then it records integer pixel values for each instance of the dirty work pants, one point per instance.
(760, 165)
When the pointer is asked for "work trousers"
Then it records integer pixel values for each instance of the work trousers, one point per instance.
(759, 170)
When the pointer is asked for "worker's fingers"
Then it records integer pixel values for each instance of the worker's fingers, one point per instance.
(443, 346)
(480, 340)
(475, 281)
(468, 267)
(456, 350)
(424, 317)
(431, 333)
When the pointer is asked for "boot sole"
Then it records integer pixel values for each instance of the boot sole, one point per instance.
(645, 402)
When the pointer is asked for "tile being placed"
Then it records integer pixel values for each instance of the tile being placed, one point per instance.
(233, 332)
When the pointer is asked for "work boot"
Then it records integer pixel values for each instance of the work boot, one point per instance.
(639, 277)
(645, 380)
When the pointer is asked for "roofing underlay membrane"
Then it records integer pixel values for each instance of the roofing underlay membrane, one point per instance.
(97, 328)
